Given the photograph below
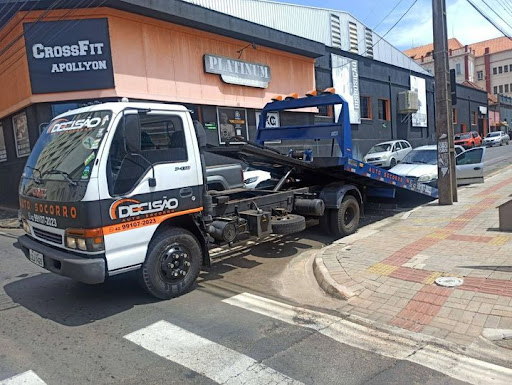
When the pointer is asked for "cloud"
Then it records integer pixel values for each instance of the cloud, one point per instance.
(463, 22)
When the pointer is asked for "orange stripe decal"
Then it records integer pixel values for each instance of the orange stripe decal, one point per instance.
(131, 225)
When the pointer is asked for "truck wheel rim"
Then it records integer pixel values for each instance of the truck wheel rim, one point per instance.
(349, 216)
(174, 264)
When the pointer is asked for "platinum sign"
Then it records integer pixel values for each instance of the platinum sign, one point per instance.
(239, 72)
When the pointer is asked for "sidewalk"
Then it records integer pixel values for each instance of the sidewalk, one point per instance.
(9, 219)
(387, 271)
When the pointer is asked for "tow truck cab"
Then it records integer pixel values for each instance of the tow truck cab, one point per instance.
(101, 180)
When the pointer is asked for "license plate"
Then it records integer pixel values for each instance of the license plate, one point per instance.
(36, 257)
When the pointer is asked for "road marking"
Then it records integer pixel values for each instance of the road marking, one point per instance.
(386, 344)
(217, 362)
(27, 378)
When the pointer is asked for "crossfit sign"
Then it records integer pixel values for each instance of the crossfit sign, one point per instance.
(70, 55)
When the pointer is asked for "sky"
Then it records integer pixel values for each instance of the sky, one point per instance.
(415, 29)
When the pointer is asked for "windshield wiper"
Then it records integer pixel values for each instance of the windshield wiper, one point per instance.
(63, 173)
(36, 179)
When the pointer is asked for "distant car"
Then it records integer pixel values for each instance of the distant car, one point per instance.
(468, 139)
(496, 138)
(253, 177)
(421, 165)
(388, 154)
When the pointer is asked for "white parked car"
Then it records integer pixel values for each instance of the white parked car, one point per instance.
(421, 165)
(496, 138)
(388, 154)
(253, 177)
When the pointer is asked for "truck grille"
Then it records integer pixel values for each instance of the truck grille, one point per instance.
(48, 236)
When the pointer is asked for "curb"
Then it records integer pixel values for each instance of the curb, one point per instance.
(327, 283)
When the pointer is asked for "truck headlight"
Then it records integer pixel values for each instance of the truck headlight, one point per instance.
(85, 239)
(425, 178)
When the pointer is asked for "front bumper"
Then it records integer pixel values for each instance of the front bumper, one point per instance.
(378, 163)
(87, 270)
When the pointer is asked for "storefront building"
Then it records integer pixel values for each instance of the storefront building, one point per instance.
(222, 68)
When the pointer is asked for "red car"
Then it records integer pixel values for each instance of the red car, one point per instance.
(468, 139)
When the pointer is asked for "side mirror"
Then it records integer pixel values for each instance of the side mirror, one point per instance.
(132, 136)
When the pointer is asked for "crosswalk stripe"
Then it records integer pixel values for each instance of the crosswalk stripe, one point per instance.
(27, 378)
(217, 362)
(386, 344)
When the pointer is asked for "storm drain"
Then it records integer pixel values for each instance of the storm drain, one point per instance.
(449, 281)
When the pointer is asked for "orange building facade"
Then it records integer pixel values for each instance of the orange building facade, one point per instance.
(142, 58)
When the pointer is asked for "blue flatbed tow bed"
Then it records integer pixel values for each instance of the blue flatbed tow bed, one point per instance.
(376, 180)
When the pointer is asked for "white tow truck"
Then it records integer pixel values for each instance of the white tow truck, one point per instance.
(117, 187)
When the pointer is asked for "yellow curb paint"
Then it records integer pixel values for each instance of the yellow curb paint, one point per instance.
(381, 269)
(432, 277)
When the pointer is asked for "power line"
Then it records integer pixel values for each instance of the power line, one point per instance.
(506, 6)
(389, 13)
(497, 14)
(488, 19)
(24, 16)
(68, 13)
(7, 12)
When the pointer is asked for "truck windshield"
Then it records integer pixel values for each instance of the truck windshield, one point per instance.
(62, 159)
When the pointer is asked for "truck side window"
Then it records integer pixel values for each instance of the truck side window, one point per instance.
(162, 141)
(163, 138)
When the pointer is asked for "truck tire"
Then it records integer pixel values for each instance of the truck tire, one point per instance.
(345, 220)
(289, 224)
(172, 264)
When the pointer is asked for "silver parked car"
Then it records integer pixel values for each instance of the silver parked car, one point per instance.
(496, 138)
(388, 154)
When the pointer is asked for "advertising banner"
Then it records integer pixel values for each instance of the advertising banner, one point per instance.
(20, 128)
(232, 125)
(76, 58)
(345, 79)
(419, 119)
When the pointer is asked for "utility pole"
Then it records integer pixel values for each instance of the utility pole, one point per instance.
(447, 183)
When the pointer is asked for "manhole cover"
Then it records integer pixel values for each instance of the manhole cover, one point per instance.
(449, 281)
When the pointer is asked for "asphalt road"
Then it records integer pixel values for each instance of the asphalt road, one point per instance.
(69, 333)
(56, 331)
(496, 158)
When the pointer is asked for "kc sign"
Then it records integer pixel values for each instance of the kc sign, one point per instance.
(71, 55)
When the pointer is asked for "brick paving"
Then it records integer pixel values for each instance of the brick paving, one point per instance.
(392, 271)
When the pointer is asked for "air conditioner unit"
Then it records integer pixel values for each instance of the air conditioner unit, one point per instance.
(408, 102)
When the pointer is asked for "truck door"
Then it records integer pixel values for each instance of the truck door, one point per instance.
(152, 173)
(470, 166)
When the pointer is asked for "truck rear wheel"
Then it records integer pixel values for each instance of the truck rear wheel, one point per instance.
(345, 220)
(172, 264)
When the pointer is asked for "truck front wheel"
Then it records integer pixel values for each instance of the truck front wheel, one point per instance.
(172, 264)
(345, 220)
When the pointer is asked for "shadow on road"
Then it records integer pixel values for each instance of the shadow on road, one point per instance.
(506, 269)
(71, 303)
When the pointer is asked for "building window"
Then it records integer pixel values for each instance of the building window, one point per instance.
(458, 69)
(480, 75)
(454, 115)
(511, 68)
(500, 69)
(352, 33)
(505, 68)
(495, 90)
(506, 88)
(474, 118)
(501, 89)
(384, 111)
(366, 107)
(494, 71)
